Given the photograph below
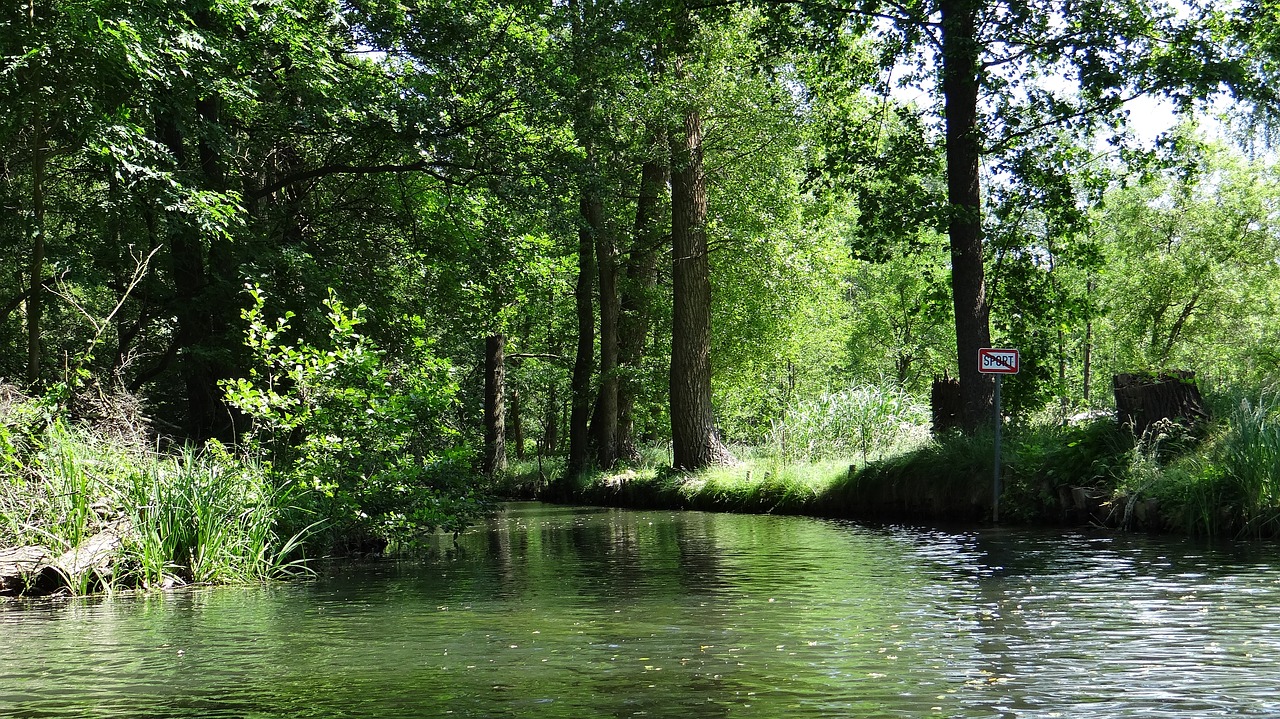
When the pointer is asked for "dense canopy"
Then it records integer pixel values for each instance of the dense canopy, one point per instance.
(385, 245)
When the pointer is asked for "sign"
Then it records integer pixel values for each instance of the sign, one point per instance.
(997, 361)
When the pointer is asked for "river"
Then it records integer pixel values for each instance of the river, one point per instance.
(579, 612)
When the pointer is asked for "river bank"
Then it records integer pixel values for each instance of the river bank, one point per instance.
(92, 499)
(1219, 480)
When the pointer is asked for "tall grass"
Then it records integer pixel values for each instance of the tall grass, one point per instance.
(1250, 457)
(55, 498)
(203, 517)
(856, 422)
(1232, 484)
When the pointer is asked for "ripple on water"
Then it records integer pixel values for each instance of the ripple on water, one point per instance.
(573, 612)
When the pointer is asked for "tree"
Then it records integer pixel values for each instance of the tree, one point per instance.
(1191, 274)
(1000, 74)
(695, 443)
(495, 389)
(637, 300)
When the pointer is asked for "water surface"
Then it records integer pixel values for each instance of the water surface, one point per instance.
(579, 612)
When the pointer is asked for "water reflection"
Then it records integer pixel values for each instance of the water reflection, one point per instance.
(571, 612)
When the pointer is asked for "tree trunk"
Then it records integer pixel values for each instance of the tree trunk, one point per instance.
(605, 419)
(642, 277)
(584, 361)
(517, 424)
(495, 431)
(35, 296)
(945, 404)
(1088, 345)
(191, 307)
(693, 433)
(968, 284)
(551, 423)
(222, 285)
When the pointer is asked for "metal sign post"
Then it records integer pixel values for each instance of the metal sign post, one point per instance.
(998, 362)
(995, 480)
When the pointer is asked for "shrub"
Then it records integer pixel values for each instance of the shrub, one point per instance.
(369, 437)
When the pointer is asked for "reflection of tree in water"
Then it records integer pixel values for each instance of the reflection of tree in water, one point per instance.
(563, 612)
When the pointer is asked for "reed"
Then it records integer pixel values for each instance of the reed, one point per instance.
(862, 421)
(194, 516)
(203, 517)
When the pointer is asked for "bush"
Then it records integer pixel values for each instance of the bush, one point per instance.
(369, 437)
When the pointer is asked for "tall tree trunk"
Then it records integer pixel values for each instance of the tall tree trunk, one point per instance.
(580, 413)
(495, 431)
(642, 277)
(35, 297)
(187, 268)
(605, 419)
(1064, 400)
(968, 284)
(222, 283)
(517, 424)
(1088, 345)
(551, 423)
(693, 433)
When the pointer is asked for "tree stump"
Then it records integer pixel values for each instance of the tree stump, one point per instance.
(1142, 399)
(946, 403)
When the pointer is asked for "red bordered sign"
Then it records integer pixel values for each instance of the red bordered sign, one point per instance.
(997, 361)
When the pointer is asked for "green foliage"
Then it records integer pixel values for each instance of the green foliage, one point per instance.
(429, 159)
(204, 517)
(902, 324)
(779, 255)
(1191, 279)
(210, 517)
(368, 435)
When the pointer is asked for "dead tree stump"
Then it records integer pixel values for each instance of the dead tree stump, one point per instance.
(1142, 399)
(945, 402)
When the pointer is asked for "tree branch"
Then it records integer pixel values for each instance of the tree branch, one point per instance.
(15, 302)
(1009, 140)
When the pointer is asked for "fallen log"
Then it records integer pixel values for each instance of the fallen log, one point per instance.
(20, 567)
(89, 563)
(33, 570)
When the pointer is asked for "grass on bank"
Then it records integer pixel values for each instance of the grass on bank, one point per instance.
(190, 517)
(1219, 479)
